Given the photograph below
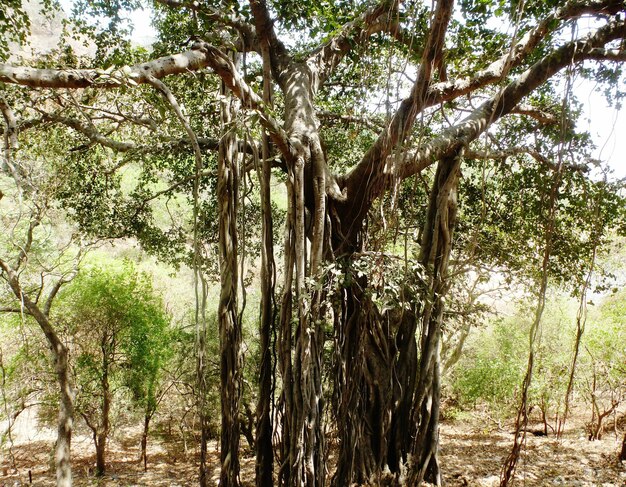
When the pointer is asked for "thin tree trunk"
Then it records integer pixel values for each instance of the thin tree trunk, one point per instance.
(228, 316)
(521, 422)
(144, 442)
(263, 443)
(434, 256)
(62, 457)
(66, 419)
(581, 316)
(103, 431)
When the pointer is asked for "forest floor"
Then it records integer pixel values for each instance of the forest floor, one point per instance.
(472, 453)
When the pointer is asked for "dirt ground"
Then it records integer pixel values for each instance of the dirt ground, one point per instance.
(472, 452)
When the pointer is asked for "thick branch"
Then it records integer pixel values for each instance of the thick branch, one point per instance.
(192, 60)
(279, 58)
(369, 170)
(226, 70)
(508, 98)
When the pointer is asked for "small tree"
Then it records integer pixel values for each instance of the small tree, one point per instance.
(119, 327)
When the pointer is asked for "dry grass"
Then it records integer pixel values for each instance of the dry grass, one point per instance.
(472, 454)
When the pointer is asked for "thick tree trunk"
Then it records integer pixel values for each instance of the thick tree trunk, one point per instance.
(300, 350)
(365, 390)
(388, 400)
(228, 313)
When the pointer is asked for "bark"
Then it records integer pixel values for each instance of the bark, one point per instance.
(228, 315)
(434, 256)
(65, 421)
(622, 455)
(144, 442)
(101, 432)
(263, 444)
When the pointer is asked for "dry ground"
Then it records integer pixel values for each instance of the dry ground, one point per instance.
(472, 454)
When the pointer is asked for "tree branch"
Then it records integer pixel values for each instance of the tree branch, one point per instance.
(192, 60)
(497, 71)
(507, 99)
(279, 58)
(505, 153)
(225, 69)
(245, 30)
(362, 184)
(541, 116)
(11, 143)
(355, 33)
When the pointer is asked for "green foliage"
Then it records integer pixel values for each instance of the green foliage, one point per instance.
(120, 331)
(14, 25)
(493, 366)
(605, 348)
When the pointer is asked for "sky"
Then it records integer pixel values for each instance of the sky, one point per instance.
(606, 125)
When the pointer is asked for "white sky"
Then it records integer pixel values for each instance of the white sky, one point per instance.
(606, 125)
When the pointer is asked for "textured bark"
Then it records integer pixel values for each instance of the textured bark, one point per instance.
(228, 313)
(434, 255)
(263, 443)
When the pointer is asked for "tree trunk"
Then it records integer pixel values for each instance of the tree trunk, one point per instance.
(388, 401)
(434, 255)
(100, 441)
(263, 443)
(144, 442)
(66, 419)
(228, 315)
(62, 457)
(300, 349)
(622, 455)
(103, 431)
